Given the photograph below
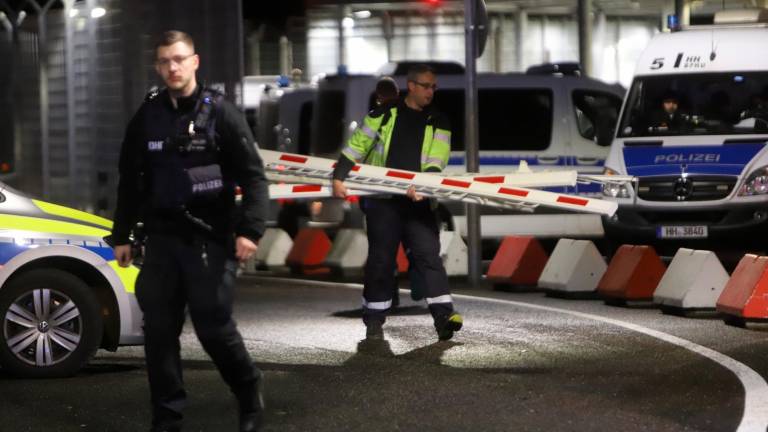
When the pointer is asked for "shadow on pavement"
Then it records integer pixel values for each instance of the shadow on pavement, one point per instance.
(398, 311)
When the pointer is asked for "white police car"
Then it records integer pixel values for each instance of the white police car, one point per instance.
(62, 294)
(694, 131)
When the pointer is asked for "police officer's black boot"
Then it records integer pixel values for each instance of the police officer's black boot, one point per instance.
(252, 407)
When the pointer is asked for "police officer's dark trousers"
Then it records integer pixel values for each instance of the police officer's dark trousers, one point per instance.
(388, 222)
(180, 272)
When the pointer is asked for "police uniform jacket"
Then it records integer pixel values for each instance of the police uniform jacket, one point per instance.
(148, 131)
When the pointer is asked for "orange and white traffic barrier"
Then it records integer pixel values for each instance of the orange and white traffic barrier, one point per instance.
(745, 296)
(273, 249)
(693, 281)
(310, 247)
(402, 260)
(574, 268)
(633, 274)
(519, 261)
(349, 251)
(453, 252)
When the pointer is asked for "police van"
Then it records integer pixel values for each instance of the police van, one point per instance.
(62, 294)
(693, 131)
(550, 117)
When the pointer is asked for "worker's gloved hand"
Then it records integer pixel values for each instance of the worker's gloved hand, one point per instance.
(339, 190)
(413, 195)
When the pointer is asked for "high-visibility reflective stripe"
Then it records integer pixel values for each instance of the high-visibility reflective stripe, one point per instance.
(352, 154)
(442, 136)
(434, 161)
(377, 305)
(57, 210)
(370, 133)
(127, 275)
(442, 299)
(27, 223)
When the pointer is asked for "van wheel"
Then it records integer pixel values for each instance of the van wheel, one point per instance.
(50, 324)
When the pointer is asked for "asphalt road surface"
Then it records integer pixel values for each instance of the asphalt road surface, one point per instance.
(523, 362)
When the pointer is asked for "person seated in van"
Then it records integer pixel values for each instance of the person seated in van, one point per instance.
(669, 118)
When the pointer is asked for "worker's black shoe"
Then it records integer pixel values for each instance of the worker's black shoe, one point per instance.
(374, 330)
(446, 327)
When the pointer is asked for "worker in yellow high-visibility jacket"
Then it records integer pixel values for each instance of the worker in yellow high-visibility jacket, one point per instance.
(409, 135)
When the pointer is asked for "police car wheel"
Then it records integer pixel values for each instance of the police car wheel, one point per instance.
(50, 324)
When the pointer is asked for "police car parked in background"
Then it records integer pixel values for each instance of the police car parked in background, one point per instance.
(62, 294)
(550, 117)
(702, 178)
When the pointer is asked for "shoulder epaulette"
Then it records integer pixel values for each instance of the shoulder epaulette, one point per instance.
(152, 94)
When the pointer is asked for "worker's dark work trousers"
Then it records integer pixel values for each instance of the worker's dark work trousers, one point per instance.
(390, 221)
(176, 274)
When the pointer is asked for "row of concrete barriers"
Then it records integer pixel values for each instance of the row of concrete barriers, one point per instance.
(694, 281)
(312, 252)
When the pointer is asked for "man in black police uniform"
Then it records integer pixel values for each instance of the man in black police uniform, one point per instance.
(183, 153)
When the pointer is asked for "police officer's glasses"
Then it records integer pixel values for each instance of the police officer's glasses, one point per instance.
(177, 60)
(425, 85)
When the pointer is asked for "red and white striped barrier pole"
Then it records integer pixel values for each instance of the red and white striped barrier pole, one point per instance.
(435, 185)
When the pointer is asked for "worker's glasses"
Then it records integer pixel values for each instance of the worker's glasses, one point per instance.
(177, 60)
(426, 85)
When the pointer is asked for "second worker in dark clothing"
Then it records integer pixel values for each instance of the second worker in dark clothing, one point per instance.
(184, 152)
(409, 136)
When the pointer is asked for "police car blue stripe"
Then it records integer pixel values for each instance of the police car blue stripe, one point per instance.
(716, 160)
(105, 252)
(505, 160)
(511, 160)
(10, 250)
(643, 171)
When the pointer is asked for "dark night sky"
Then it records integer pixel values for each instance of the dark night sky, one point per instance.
(271, 12)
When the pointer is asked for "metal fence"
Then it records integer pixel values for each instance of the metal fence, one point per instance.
(94, 72)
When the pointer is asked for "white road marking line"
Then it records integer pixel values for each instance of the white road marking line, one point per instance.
(755, 415)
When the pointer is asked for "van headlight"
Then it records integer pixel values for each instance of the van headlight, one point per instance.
(614, 190)
(756, 183)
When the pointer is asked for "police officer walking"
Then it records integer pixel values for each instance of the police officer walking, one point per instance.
(184, 152)
(409, 136)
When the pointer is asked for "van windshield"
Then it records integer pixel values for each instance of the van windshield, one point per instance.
(697, 104)
(509, 119)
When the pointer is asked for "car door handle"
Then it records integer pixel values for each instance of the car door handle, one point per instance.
(586, 160)
(548, 160)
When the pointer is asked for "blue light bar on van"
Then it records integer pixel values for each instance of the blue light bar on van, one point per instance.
(673, 22)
